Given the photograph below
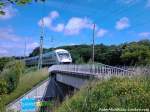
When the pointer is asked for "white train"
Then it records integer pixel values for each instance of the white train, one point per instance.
(58, 56)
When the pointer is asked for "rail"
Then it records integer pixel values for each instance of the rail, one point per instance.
(93, 69)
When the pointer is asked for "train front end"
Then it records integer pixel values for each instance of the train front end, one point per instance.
(63, 56)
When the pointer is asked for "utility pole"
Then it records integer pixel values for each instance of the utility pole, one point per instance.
(41, 40)
(93, 54)
(41, 46)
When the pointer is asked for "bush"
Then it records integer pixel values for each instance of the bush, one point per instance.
(115, 93)
(3, 61)
(27, 82)
(80, 61)
(11, 73)
(3, 91)
(3, 87)
(2, 104)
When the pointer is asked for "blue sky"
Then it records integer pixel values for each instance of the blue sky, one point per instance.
(70, 22)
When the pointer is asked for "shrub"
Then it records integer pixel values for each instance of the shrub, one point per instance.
(3, 61)
(11, 73)
(3, 90)
(2, 104)
(27, 82)
(115, 93)
(80, 61)
(3, 87)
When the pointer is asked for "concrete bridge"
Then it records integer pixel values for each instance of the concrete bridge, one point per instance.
(77, 75)
(67, 78)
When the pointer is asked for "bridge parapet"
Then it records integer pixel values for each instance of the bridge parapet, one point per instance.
(97, 70)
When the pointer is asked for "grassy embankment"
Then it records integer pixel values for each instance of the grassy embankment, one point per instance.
(27, 82)
(115, 93)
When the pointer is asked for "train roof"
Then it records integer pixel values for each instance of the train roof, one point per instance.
(61, 50)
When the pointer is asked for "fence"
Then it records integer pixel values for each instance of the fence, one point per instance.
(93, 69)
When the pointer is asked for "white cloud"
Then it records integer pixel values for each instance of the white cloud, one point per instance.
(48, 22)
(58, 28)
(3, 52)
(8, 34)
(72, 27)
(123, 23)
(101, 32)
(144, 34)
(9, 12)
(32, 45)
(48, 19)
(10, 48)
(14, 45)
(76, 24)
(54, 14)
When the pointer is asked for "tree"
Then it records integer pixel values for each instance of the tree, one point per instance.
(11, 74)
(80, 61)
(123, 54)
(36, 51)
(3, 3)
(3, 91)
(3, 61)
(3, 87)
(136, 53)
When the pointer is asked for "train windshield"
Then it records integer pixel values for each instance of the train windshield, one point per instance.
(63, 55)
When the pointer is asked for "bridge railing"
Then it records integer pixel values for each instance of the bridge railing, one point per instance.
(99, 69)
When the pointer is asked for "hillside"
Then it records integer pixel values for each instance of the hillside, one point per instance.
(133, 53)
(27, 82)
(115, 93)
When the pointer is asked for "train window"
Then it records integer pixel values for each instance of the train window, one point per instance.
(63, 55)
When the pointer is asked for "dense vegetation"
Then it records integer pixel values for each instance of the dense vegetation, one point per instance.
(3, 61)
(9, 78)
(134, 53)
(16, 79)
(115, 93)
(27, 81)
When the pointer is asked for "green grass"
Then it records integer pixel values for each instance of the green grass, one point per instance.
(113, 93)
(27, 82)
